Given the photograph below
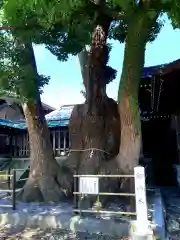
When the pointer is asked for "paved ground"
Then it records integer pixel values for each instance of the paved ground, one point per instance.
(23, 233)
(38, 234)
(172, 203)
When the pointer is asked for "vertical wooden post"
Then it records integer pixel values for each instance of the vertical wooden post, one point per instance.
(75, 196)
(14, 190)
(24, 145)
(28, 147)
(10, 144)
(59, 141)
(19, 144)
(68, 141)
(176, 121)
(54, 143)
(64, 141)
(141, 203)
(9, 178)
(13, 145)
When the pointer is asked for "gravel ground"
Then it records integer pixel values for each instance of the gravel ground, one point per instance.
(49, 234)
(23, 233)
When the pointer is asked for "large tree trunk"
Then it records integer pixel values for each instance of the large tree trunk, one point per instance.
(130, 143)
(94, 126)
(46, 181)
(83, 60)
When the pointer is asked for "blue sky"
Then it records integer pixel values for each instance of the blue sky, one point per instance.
(66, 81)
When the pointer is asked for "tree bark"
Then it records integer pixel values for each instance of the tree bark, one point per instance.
(83, 61)
(46, 181)
(94, 126)
(138, 31)
(130, 143)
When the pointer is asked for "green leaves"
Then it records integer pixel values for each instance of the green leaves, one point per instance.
(155, 30)
(173, 12)
(126, 5)
(18, 74)
(64, 26)
(118, 31)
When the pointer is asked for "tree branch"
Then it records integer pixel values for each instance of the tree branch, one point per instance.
(102, 8)
(7, 28)
(121, 16)
(20, 28)
(153, 4)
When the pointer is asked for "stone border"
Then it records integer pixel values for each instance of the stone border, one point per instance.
(159, 218)
(65, 221)
(109, 226)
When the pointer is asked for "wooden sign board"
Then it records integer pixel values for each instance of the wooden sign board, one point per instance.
(89, 185)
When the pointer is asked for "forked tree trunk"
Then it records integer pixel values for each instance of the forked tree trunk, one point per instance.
(130, 143)
(46, 181)
(83, 60)
(95, 108)
(94, 126)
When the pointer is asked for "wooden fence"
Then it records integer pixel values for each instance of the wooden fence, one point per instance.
(89, 185)
(59, 140)
(10, 190)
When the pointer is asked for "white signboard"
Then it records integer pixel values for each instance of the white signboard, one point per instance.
(141, 203)
(89, 185)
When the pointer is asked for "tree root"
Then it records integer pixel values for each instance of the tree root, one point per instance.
(30, 192)
(48, 188)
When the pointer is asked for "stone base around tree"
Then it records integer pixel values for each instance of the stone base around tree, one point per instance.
(61, 217)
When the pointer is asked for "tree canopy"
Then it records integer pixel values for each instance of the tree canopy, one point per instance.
(65, 26)
(49, 23)
(17, 73)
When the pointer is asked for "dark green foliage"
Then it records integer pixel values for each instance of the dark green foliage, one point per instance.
(118, 31)
(65, 26)
(63, 32)
(155, 30)
(173, 11)
(109, 72)
(18, 78)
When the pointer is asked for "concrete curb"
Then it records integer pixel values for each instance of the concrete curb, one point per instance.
(159, 216)
(138, 236)
(66, 222)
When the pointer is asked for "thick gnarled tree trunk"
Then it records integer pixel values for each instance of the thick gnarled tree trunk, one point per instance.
(128, 101)
(130, 143)
(94, 125)
(83, 60)
(46, 180)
